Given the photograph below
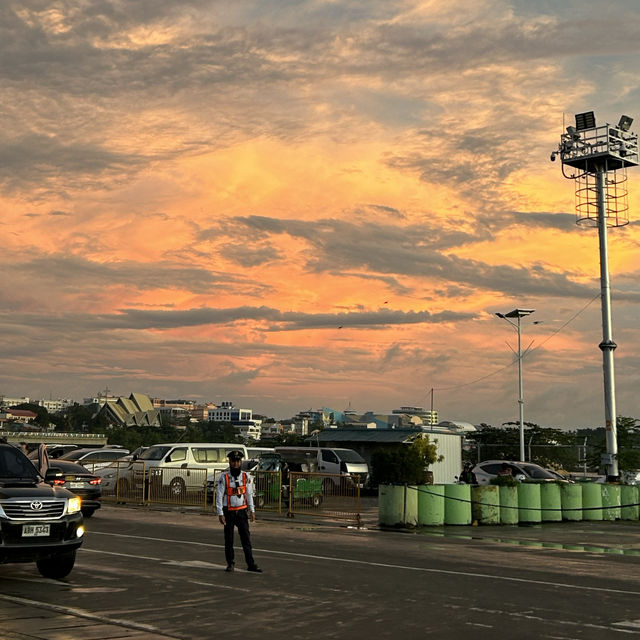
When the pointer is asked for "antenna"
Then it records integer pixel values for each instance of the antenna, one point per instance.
(598, 157)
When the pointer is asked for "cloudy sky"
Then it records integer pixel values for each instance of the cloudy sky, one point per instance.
(302, 203)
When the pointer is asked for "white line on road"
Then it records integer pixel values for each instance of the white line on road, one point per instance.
(467, 574)
(81, 613)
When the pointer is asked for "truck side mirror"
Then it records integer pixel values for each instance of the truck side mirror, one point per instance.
(53, 473)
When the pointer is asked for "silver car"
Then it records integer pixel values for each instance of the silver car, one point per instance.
(485, 471)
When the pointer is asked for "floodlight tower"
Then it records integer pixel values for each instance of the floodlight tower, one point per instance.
(598, 158)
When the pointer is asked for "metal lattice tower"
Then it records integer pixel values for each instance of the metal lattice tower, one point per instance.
(598, 158)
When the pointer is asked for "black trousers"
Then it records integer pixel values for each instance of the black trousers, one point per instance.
(239, 519)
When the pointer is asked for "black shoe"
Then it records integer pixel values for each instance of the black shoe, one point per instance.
(255, 568)
(229, 568)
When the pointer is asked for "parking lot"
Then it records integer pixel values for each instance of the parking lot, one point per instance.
(146, 573)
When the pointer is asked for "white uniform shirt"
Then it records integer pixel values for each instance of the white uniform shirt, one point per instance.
(241, 500)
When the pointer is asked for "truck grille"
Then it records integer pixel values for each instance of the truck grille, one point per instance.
(33, 509)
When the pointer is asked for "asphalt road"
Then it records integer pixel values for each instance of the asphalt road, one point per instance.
(154, 574)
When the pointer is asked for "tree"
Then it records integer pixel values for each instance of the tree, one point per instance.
(428, 452)
(42, 415)
(628, 437)
(402, 464)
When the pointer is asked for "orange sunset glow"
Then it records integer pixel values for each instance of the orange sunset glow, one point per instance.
(293, 205)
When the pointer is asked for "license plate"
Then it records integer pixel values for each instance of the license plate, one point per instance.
(76, 485)
(35, 530)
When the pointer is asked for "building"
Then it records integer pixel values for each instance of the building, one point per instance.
(429, 417)
(102, 398)
(16, 417)
(366, 441)
(53, 406)
(135, 411)
(6, 401)
(248, 427)
(200, 412)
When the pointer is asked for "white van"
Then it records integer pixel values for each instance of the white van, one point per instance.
(203, 458)
(253, 453)
(329, 460)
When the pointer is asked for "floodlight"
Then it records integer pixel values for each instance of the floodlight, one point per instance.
(586, 120)
(625, 123)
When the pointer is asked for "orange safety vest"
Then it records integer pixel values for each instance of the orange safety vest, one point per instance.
(236, 491)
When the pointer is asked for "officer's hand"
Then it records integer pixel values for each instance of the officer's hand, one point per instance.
(222, 520)
(252, 516)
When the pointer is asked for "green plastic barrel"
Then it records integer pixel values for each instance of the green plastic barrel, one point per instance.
(431, 505)
(529, 502)
(551, 502)
(509, 505)
(571, 497)
(485, 508)
(630, 496)
(610, 501)
(391, 505)
(591, 501)
(411, 506)
(457, 504)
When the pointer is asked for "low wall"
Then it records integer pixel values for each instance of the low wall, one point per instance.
(462, 504)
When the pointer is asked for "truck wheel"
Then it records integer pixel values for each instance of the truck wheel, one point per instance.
(57, 567)
(87, 513)
(316, 499)
(177, 488)
(260, 501)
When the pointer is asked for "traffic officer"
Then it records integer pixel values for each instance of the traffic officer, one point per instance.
(234, 506)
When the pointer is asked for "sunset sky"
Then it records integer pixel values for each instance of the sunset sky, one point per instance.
(293, 204)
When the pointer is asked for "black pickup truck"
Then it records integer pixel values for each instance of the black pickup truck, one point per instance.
(38, 522)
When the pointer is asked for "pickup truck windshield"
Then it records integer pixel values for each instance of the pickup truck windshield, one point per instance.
(14, 464)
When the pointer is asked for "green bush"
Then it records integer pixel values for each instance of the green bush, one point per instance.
(402, 465)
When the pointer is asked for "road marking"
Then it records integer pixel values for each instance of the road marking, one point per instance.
(468, 574)
(631, 624)
(81, 613)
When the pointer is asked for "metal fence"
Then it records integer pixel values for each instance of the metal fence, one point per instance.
(133, 482)
(324, 495)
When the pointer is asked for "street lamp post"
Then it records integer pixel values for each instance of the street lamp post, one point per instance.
(518, 313)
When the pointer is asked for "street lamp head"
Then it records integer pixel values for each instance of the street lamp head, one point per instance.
(519, 313)
(500, 315)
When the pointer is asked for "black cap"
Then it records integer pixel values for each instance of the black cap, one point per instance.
(236, 454)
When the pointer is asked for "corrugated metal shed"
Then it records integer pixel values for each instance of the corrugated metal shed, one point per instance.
(396, 436)
(365, 441)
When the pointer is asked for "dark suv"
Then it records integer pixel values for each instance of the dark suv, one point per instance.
(38, 522)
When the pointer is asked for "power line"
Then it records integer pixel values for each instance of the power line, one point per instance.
(529, 350)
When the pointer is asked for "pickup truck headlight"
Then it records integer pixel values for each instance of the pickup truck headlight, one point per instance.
(74, 504)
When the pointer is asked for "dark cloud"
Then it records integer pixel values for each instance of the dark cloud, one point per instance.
(272, 319)
(69, 274)
(416, 251)
(33, 158)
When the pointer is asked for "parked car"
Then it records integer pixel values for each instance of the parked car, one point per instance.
(118, 476)
(485, 471)
(38, 522)
(81, 482)
(332, 461)
(94, 459)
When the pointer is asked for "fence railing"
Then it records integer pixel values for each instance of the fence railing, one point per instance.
(323, 495)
